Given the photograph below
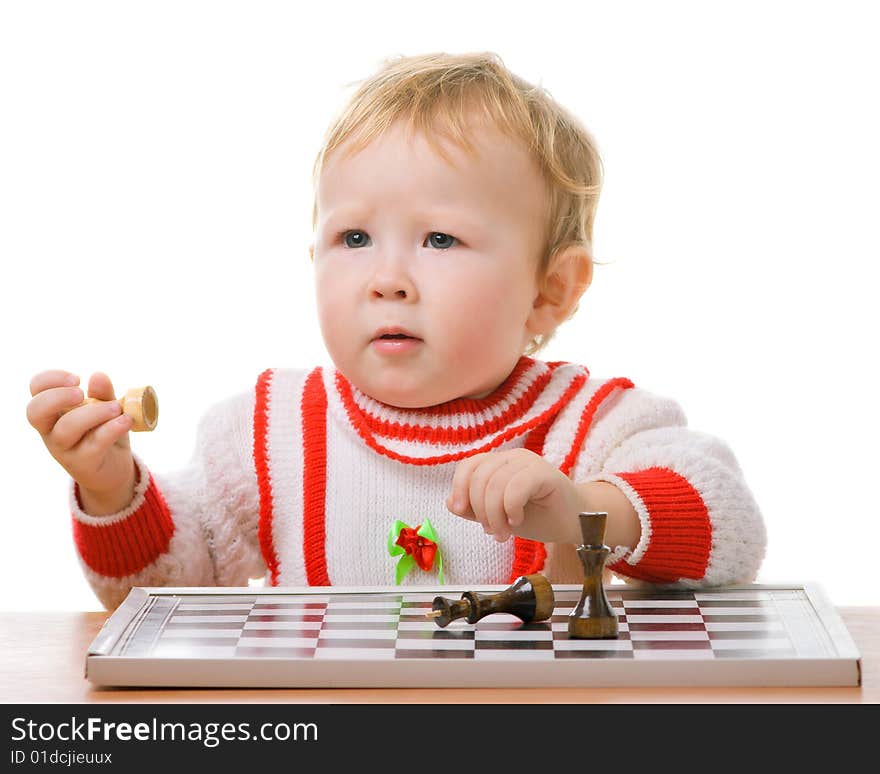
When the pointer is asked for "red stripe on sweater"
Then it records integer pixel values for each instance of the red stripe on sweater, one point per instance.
(587, 419)
(264, 482)
(681, 533)
(411, 431)
(356, 419)
(121, 548)
(314, 423)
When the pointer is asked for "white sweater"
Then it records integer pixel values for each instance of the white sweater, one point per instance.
(300, 480)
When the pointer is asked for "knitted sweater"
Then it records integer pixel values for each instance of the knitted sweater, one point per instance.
(300, 480)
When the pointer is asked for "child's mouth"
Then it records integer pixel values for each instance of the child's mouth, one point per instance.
(395, 343)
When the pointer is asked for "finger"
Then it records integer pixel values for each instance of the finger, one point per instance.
(494, 504)
(55, 378)
(73, 426)
(98, 440)
(519, 490)
(457, 501)
(477, 487)
(47, 405)
(101, 387)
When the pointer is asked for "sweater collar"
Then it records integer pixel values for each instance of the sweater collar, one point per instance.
(523, 400)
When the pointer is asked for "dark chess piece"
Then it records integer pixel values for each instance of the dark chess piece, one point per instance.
(593, 618)
(529, 598)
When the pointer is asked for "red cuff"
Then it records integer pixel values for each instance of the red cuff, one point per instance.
(679, 534)
(119, 547)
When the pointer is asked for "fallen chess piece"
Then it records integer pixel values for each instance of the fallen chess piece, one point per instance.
(529, 598)
(593, 618)
(140, 403)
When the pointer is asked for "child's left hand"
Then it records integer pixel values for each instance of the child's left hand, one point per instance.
(515, 492)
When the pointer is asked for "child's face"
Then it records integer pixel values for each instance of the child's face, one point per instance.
(447, 253)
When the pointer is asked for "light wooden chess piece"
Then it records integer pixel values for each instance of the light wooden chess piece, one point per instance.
(139, 403)
(593, 618)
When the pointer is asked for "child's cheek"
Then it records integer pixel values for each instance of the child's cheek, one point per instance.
(480, 322)
(334, 306)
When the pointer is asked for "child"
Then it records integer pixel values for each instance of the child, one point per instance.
(453, 220)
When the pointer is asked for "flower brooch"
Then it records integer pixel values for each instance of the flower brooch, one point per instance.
(416, 546)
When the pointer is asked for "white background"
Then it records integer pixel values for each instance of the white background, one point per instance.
(155, 202)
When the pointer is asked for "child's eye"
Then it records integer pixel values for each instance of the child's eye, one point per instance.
(355, 238)
(437, 239)
(440, 240)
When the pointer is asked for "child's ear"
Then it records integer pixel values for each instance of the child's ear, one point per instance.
(568, 276)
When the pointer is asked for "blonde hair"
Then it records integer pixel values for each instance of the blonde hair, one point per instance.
(435, 94)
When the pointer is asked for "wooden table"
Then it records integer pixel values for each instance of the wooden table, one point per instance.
(42, 659)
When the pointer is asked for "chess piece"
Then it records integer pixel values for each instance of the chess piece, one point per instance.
(140, 403)
(529, 598)
(593, 618)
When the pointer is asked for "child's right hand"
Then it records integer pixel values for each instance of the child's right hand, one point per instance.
(90, 442)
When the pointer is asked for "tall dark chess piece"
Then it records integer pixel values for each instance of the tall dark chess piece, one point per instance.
(593, 618)
(529, 598)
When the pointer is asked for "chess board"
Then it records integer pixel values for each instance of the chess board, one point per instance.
(380, 637)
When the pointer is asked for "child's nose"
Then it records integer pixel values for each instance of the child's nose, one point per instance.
(391, 285)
